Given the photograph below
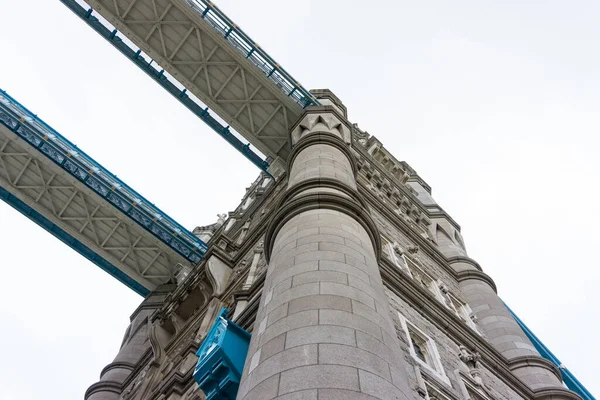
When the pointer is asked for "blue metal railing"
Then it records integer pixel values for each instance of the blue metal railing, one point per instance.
(568, 378)
(61, 151)
(161, 78)
(246, 46)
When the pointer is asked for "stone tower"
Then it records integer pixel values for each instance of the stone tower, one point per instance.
(353, 281)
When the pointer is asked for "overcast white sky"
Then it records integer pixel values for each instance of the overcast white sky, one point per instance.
(495, 104)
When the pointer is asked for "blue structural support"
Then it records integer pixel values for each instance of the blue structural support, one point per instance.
(221, 359)
(568, 378)
(70, 241)
(70, 158)
(159, 76)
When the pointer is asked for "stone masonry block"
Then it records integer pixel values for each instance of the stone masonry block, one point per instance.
(304, 318)
(380, 388)
(348, 292)
(341, 394)
(321, 334)
(319, 276)
(319, 302)
(337, 354)
(344, 268)
(284, 360)
(272, 347)
(266, 390)
(319, 376)
(356, 322)
(297, 269)
(301, 395)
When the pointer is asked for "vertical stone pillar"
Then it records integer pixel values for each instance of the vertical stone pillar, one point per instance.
(503, 332)
(323, 328)
(135, 344)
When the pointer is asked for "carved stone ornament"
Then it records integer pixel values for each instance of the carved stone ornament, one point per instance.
(472, 360)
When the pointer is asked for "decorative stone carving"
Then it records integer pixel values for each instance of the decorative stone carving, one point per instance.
(321, 122)
(133, 386)
(472, 360)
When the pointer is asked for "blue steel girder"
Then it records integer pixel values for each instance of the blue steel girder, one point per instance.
(568, 378)
(61, 188)
(213, 59)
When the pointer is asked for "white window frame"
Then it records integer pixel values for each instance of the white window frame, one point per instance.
(463, 311)
(440, 394)
(436, 369)
(391, 253)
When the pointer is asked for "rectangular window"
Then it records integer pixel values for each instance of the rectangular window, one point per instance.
(395, 255)
(423, 349)
(432, 393)
(463, 311)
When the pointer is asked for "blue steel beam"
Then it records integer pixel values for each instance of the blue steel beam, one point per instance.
(70, 241)
(159, 77)
(568, 378)
(65, 154)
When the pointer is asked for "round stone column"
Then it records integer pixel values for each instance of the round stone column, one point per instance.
(323, 328)
(503, 332)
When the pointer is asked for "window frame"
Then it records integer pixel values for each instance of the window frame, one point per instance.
(410, 329)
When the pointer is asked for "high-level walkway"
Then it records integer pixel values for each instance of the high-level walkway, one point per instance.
(66, 192)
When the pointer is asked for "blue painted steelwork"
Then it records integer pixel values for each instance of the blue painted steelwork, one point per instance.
(65, 154)
(69, 240)
(221, 359)
(252, 51)
(159, 77)
(570, 380)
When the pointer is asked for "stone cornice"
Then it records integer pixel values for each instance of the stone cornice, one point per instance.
(477, 275)
(329, 201)
(415, 200)
(404, 287)
(425, 245)
(117, 365)
(555, 393)
(464, 259)
(103, 386)
(535, 361)
(330, 183)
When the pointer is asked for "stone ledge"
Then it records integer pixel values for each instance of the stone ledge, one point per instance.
(464, 259)
(476, 275)
(329, 201)
(533, 361)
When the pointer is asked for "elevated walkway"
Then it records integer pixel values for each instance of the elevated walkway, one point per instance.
(62, 189)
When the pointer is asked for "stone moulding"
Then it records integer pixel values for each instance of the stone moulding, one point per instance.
(104, 386)
(329, 201)
(466, 260)
(555, 393)
(477, 275)
(534, 361)
(315, 183)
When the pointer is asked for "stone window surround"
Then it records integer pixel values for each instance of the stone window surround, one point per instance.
(411, 330)
(460, 308)
(431, 388)
(466, 384)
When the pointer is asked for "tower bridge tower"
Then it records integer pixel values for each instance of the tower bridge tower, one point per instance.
(352, 280)
(338, 276)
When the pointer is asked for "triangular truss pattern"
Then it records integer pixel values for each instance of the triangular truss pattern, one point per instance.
(83, 214)
(182, 43)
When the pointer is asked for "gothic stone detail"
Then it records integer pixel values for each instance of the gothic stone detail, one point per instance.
(324, 311)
